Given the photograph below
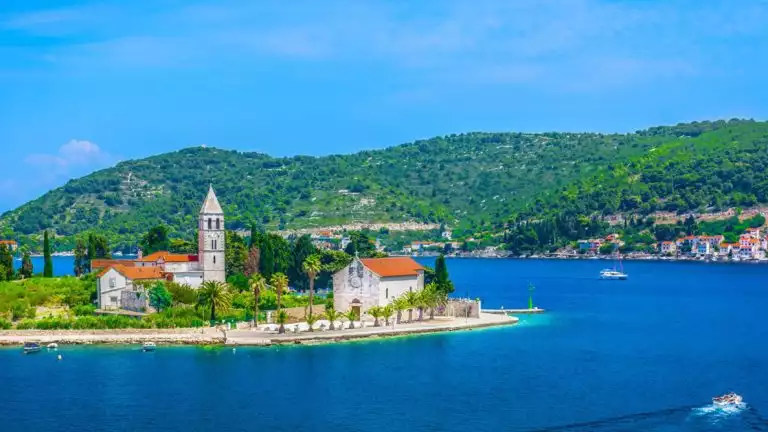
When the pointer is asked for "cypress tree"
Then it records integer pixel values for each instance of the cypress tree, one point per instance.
(6, 261)
(81, 263)
(48, 268)
(26, 265)
(442, 280)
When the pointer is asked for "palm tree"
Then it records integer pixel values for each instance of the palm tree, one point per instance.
(258, 284)
(387, 312)
(311, 320)
(375, 312)
(351, 316)
(216, 295)
(332, 315)
(282, 318)
(280, 282)
(411, 299)
(433, 298)
(312, 267)
(421, 303)
(399, 305)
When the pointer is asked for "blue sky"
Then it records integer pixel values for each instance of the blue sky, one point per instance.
(86, 84)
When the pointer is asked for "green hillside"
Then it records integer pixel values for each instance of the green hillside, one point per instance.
(474, 181)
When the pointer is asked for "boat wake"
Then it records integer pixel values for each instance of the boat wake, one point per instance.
(720, 411)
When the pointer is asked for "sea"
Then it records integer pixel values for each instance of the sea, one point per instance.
(645, 354)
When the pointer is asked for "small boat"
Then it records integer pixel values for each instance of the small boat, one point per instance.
(610, 274)
(31, 347)
(728, 399)
(148, 346)
(52, 345)
(614, 273)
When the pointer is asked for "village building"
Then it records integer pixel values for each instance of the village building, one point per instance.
(668, 247)
(10, 244)
(369, 282)
(119, 276)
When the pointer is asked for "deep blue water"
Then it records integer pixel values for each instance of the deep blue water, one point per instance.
(62, 265)
(645, 354)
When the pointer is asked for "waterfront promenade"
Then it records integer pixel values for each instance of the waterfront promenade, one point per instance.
(249, 336)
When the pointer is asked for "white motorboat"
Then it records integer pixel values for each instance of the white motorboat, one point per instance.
(148, 346)
(52, 345)
(725, 400)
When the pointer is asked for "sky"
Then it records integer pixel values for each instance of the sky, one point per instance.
(86, 84)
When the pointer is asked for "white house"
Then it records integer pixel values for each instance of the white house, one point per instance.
(117, 289)
(208, 265)
(369, 282)
(10, 244)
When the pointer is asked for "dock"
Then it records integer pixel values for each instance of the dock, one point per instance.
(514, 311)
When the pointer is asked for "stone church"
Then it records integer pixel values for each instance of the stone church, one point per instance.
(116, 285)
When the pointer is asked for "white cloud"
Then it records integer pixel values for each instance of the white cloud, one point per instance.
(72, 154)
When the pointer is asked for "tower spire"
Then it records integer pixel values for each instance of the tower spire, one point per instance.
(211, 204)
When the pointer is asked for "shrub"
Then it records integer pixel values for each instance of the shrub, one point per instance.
(84, 310)
(183, 294)
(4, 324)
(25, 324)
(20, 309)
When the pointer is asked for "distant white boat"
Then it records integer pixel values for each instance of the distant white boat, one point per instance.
(610, 274)
(727, 400)
(614, 273)
(117, 254)
(52, 345)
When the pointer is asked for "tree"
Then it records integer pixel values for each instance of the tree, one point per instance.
(159, 297)
(26, 265)
(267, 259)
(280, 282)
(302, 248)
(235, 254)
(433, 297)
(386, 313)
(399, 305)
(442, 280)
(332, 315)
(350, 249)
(351, 316)
(81, 257)
(282, 318)
(258, 285)
(156, 239)
(311, 267)
(375, 312)
(252, 263)
(215, 295)
(411, 299)
(48, 262)
(311, 320)
(181, 246)
(6, 260)
(3, 272)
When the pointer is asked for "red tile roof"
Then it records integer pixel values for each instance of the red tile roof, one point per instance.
(168, 257)
(393, 266)
(104, 263)
(7, 242)
(135, 273)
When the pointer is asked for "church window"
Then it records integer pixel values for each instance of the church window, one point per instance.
(218, 225)
(112, 282)
(386, 294)
(410, 289)
(214, 259)
(209, 223)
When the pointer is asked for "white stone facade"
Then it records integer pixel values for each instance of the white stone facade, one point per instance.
(358, 286)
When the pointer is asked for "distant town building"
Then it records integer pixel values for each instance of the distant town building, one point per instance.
(115, 284)
(10, 244)
(369, 282)
(668, 247)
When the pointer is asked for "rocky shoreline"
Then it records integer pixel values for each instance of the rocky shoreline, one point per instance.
(117, 336)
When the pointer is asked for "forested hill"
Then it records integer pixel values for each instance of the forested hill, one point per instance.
(475, 180)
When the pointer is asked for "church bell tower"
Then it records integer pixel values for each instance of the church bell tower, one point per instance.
(211, 239)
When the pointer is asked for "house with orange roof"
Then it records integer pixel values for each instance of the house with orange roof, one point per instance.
(369, 282)
(118, 287)
(668, 247)
(10, 244)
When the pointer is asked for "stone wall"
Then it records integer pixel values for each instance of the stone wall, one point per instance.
(134, 301)
(460, 308)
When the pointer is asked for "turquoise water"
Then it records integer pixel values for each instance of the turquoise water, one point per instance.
(645, 354)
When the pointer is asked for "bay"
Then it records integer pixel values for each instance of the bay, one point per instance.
(645, 354)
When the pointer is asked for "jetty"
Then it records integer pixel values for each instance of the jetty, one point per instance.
(514, 311)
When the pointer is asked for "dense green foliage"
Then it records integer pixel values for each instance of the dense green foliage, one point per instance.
(476, 178)
(51, 292)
